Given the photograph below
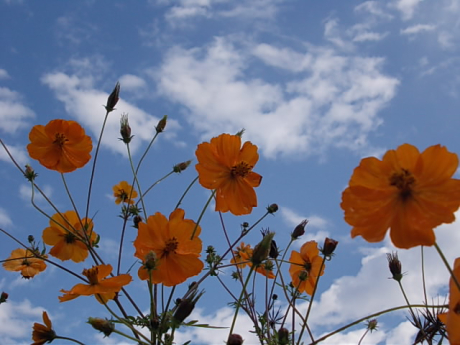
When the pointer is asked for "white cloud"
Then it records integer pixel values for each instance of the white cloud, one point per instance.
(445, 40)
(5, 219)
(415, 29)
(13, 114)
(4, 74)
(406, 7)
(374, 8)
(16, 320)
(18, 152)
(369, 36)
(132, 82)
(84, 103)
(333, 100)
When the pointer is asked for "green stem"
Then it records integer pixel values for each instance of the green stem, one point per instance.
(202, 213)
(238, 303)
(69, 339)
(441, 254)
(338, 330)
(137, 341)
(186, 191)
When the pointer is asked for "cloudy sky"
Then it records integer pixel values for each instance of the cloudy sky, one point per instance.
(317, 85)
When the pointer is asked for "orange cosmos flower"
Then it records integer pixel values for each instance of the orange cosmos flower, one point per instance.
(24, 260)
(42, 334)
(69, 236)
(242, 258)
(124, 192)
(452, 318)
(177, 256)
(104, 289)
(225, 166)
(61, 145)
(407, 191)
(305, 267)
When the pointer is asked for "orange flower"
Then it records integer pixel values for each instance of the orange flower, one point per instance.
(225, 166)
(177, 255)
(124, 192)
(23, 260)
(104, 289)
(242, 258)
(409, 192)
(61, 145)
(305, 267)
(242, 255)
(43, 333)
(67, 237)
(452, 318)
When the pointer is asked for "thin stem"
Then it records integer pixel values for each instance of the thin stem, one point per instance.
(441, 254)
(423, 273)
(202, 213)
(186, 191)
(70, 196)
(93, 169)
(238, 303)
(338, 330)
(141, 196)
(69, 339)
(362, 338)
(137, 341)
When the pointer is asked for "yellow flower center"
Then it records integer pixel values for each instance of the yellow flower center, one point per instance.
(122, 194)
(404, 181)
(91, 274)
(242, 169)
(171, 246)
(60, 139)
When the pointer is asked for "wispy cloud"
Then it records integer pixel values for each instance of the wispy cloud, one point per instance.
(14, 115)
(332, 100)
(416, 29)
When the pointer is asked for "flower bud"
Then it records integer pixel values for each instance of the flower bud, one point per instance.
(29, 173)
(150, 260)
(103, 325)
(283, 336)
(136, 221)
(299, 230)
(372, 325)
(395, 266)
(113, 98)
(329, 247)
(272, 208)
(161, 124)
(125, 129)
(186, 307)
(235, 339)
(3, 297)
(30, 238)
(262, 250)
(178, 168)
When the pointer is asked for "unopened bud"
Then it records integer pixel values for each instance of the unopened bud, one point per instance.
(125, 129)
(272, 208)
(136, 221)
(29, 173)
(372, 325)
(299, 230)
(113, 98)
(395, 266)
(235, 339)
(329, 247)
(283, 336)
(262, 249)
(102, 325)
(3, 297)
(178, 168)
(31, 239)
(161, 124)
(186, 306)
(150, 260)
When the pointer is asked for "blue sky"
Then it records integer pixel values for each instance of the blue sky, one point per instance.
(317, 85)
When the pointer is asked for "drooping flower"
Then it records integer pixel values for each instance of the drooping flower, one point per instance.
(61, 145)
(177, 256)
(225, 166)
(407, 191)
(124, 192)
(103, 289)
(42, 334)
(69, 236)
(305, 267)
(452, 318)
(24, 261)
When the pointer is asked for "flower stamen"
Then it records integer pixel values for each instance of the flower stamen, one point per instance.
(404, 181)
(60, 139)
(242, 169)
(91, 274)
(171, 246)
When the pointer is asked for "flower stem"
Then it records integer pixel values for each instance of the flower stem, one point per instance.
(441, 254)
(90, 187)
(69, 339)
(238, 303)
(186, 191)
(202, 214)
